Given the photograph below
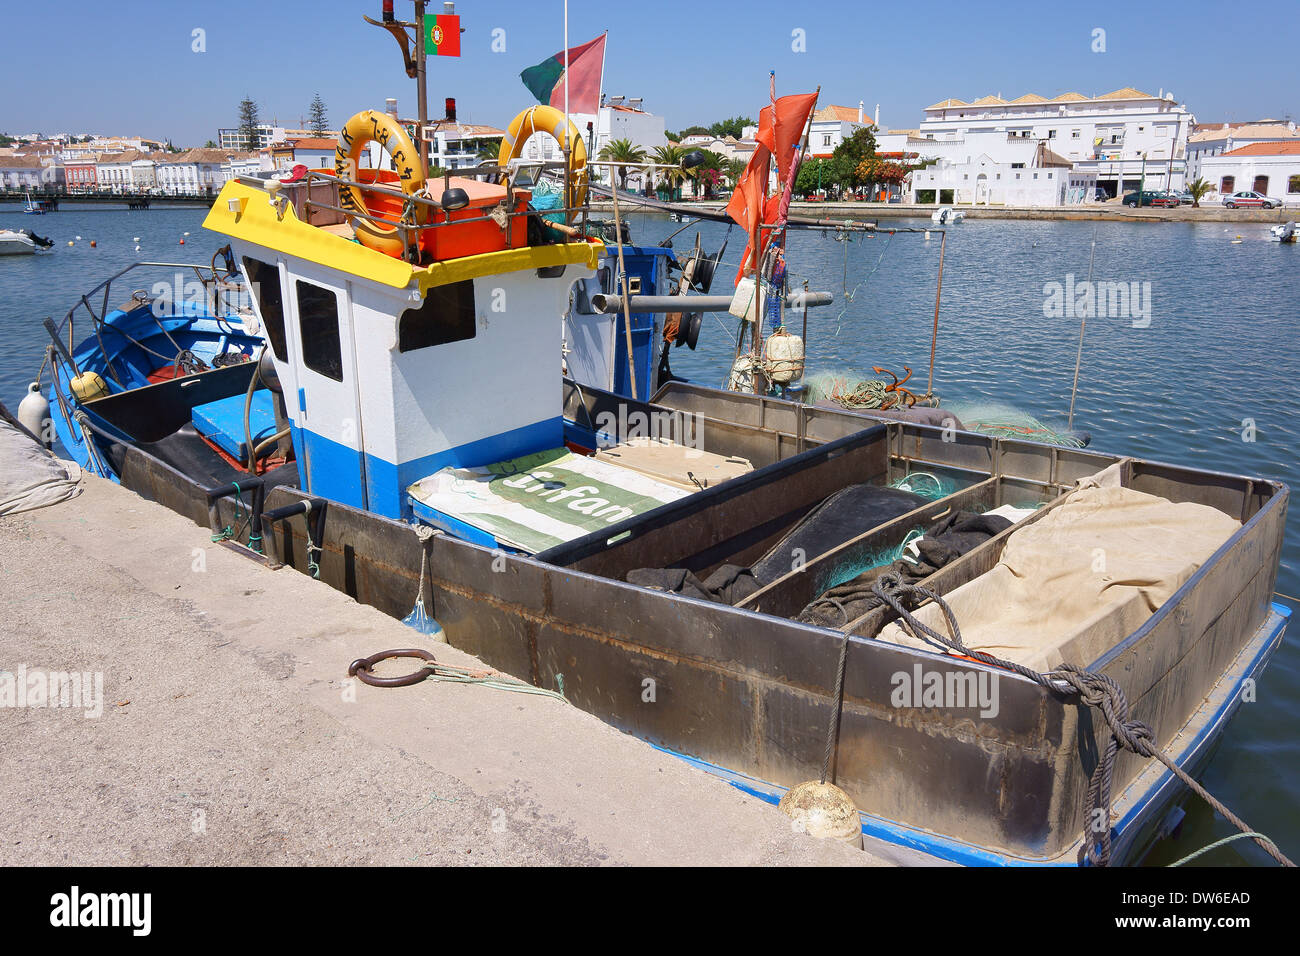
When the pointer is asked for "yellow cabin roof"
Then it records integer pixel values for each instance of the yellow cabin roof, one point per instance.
(245, 212)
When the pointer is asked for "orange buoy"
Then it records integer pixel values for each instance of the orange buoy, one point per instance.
(182, 242)
(92, 243)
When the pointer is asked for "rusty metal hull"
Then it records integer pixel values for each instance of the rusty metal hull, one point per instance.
(749, 690)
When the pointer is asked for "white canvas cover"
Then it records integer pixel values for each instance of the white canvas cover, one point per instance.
(30, 477)
(538, 501)
(1082, 578)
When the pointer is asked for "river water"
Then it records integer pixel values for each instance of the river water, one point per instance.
(1206, 373)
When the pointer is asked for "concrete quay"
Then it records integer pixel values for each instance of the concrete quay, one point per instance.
(230, 732)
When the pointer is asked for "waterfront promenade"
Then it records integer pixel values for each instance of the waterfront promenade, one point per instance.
(1104, 212)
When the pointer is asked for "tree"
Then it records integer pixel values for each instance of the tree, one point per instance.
(317, 118)
(849, 155)
(670, 156)
(689, 131)
(814, 174)
(209, 145)
(248, 122)
(708, 173)
(734, 170)
(1198, 190)
(731, 127)
(622, 151)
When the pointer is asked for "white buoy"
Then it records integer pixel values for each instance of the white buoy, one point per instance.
(823, 810)
(136, 239)
(137, 248)
(78, 238)
(34, 413)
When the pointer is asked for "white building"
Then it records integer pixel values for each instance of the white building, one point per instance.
(615, 120)
(1025, 173)
(1215, 140)
(1121, 137)
(454, 145)
(116, 172)
(832, 125)
(1269, 168)
(22, 172)
(195, 171)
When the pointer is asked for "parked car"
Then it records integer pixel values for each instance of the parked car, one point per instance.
(1248, 198)
(1151, 197)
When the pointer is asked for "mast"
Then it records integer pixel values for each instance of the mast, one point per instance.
(422, 92)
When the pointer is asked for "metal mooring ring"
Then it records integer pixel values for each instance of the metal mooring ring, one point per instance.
(363, 666)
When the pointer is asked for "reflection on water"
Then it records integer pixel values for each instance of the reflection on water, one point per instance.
(1216, 364)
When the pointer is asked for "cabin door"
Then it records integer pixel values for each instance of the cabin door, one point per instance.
(329, 414)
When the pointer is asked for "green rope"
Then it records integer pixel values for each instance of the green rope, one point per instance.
(1226, 840)
(229, 531)
(450, 674)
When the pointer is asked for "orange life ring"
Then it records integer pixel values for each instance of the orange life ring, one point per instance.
(381, 128)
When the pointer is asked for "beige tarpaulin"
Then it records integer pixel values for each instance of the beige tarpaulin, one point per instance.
(1082, 578)
(30, 477)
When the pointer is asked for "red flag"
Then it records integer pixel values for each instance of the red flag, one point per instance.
(780, 129)
(747, 202)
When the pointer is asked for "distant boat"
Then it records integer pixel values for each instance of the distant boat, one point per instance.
(22, 242)
(946, 215)
(1288, 232)
(34, 207)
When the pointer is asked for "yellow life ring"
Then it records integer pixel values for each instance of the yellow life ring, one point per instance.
(547, 119)
(363, 128)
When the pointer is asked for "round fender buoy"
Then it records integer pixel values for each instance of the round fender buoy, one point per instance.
(823, 810)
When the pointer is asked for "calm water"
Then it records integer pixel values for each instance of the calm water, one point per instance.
(1220, 349)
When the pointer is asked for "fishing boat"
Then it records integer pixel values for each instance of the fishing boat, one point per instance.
(384, 406)
(22, 242)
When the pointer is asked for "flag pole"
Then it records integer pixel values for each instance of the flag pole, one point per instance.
(568, 145)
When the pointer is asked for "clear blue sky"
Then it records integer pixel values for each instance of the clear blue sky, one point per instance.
(128, 66)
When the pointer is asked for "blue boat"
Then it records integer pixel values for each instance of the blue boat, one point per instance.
(380, 400)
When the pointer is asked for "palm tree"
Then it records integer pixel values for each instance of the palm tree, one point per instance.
(622, 151)
(670, 155)
(708, 172)
(1198, 189)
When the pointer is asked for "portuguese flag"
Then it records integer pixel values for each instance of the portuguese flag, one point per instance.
(441, 34)
(586, 63)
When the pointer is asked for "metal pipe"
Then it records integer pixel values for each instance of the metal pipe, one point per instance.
(611, 304)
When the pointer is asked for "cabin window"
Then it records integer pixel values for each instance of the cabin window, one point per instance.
(446, 315)
(265, 281)
(318, 326)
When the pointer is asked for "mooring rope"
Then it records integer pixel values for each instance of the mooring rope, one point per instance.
(1096, 690)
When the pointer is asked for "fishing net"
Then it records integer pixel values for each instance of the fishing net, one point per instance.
(925, 484)
(874, 559)
(1006, 421)
(848, 390)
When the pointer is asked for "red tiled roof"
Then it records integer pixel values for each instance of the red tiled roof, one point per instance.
(1266, 149)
